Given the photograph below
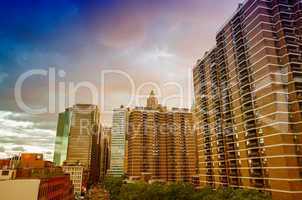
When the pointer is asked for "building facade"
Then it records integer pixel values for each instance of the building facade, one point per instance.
(84, 139)
(105, 151)
(161, 143)
(77, 176)
(63, 129)
(31, 177)
(248, 92)
(118, 141)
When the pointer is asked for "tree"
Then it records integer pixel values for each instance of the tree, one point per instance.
(155, 191)
(179, 191)
(133, 191)
(113, 186)
(175, 191)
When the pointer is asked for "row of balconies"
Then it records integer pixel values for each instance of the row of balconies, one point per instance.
(246, 98)
(241, 57)
(231, 147)
(298, 86)
(249, 115)
(244, 82)
(239, 43)
(296, 67)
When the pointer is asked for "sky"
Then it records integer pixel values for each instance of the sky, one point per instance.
(147, 44)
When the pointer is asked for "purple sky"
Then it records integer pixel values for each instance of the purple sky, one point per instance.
(152, 41)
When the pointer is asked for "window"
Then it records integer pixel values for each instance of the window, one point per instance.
(5, 173)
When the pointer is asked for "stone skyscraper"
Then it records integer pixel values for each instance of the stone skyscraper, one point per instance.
(84, 139)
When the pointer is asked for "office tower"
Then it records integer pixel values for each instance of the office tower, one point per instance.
(248, 94)
(83, 145)
(118, 141)
(161, 143)
(61, 145)
(105, 151)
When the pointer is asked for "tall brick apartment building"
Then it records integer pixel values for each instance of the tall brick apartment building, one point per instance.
(248, 93)
(161, 143)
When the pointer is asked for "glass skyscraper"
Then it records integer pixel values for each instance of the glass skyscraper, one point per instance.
(63, 129)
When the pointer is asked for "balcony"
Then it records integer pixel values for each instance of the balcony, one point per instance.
(210, 179)
(256, 173)
(247, 107)
(232, 155)
(242, 65)
(208, 165)
(244, 82)
(209, 172)
(256, 163)
(233, 172)
(208, 152)
(298, 86)
(252, 143)
(248, 115)
(246, 91)
(251, 134)
(233, 164)
(207, 146)
(228, 130)
(220, 136)
(296, 67)
(221, 157)
(234, 181)
(254, 153)
(259, 183)
(230, 138)
(222, 172)
(222, 165)
(241, 58)
(250, 125)
(231, 147)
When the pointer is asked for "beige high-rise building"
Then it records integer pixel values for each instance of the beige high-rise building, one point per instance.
(118, 141)
(84, 139)
(161, 143)
(248, 92)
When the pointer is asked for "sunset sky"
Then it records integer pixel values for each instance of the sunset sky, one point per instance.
(154, 41)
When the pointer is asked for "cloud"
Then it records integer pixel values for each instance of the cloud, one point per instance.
(2, 149)
(20, 148)
(21, 132)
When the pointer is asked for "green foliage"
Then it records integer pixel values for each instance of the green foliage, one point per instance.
(179, 191)
(113, 185)
(119, 190)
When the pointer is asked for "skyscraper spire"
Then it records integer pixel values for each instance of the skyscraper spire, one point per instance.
(152, 101)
